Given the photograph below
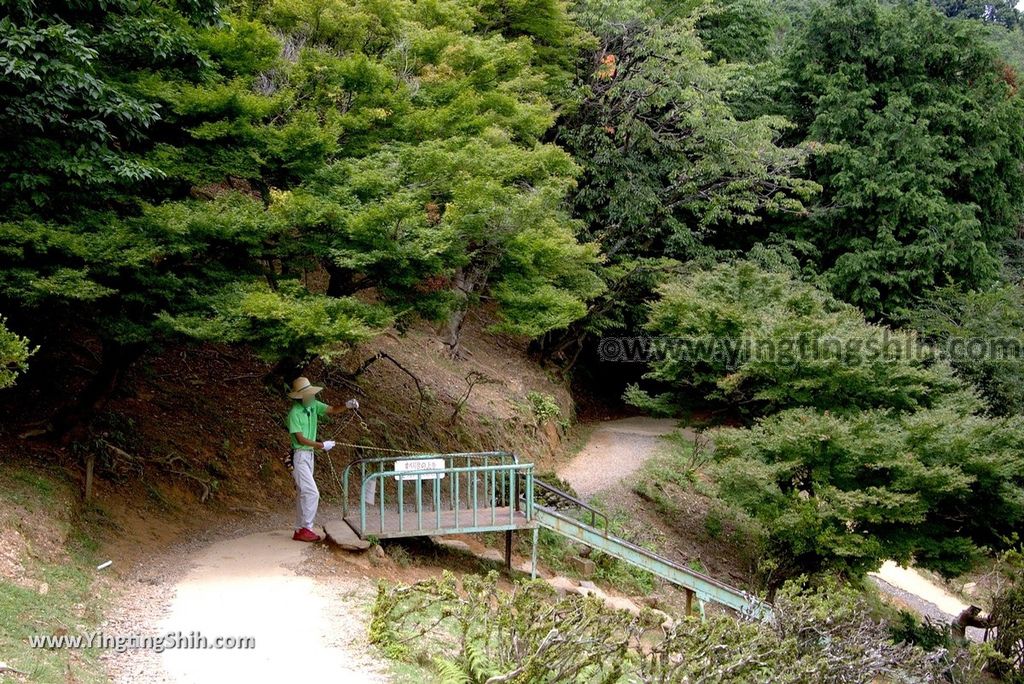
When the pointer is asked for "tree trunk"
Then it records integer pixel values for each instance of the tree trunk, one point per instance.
(453, 331)
(452, 334)
(115, 360)
(284, 371)
(341, 282)
(90, 466)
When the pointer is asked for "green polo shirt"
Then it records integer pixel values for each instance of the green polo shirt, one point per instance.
(303, 419)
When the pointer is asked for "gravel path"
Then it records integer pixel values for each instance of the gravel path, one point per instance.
(245, 581)
(908, 589)
(926, 609)
(616, 449)
(304, 627)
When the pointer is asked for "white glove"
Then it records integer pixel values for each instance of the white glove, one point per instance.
(328, 444)
(352, 404)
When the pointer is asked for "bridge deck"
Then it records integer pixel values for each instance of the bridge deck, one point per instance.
(451, 522)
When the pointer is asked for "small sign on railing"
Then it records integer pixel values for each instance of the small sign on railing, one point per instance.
(412, 465)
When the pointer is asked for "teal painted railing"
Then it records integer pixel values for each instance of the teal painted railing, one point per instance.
(469, 494)
(706, 588)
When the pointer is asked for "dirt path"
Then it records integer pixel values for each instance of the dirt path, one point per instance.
(909, 589)
(305, 628)
(616, 449)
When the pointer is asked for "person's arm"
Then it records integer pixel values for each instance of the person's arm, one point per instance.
(307, 442)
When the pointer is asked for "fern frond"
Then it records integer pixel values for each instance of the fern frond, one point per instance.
(450, 672)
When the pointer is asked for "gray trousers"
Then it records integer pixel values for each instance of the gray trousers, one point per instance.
(307, 495)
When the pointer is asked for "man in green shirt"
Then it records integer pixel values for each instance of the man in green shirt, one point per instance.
(302, 425)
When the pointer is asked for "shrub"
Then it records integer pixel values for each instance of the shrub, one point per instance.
(14, 353)
(1008, 617)
(964, 323)
(843, 493)
(474, 632)
(543, 407)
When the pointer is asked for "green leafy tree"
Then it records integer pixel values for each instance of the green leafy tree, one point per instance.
(14, 353)
(980, 332)
(669, 173)
(1002, 12)
(455, 201)
(665, 161)
(68, 119)
(137, 192)
(1009, 43)
(551, 31)
(441, 224)
(762, 340)
(841, 493)
(867, 446)
(186, 169)
(739, 30)
(747, 39)
(920, 135)
(285, 321)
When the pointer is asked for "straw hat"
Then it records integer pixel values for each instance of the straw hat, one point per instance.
(301, 387)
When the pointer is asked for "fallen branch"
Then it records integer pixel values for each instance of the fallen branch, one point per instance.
(548, 641)
(36, 429)
(118, 451)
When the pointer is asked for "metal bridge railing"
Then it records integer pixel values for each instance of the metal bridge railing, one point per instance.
(484, 491)
(468, 493)
(566, 498)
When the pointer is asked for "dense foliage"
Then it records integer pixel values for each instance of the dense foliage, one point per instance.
(761, 184)
(843, 493)
(866, 447)
(1008, 616)
(1001, 12)
(668, 172)
(244, 176)
(980, 332)
(135, 196)
(14, 353)
(762, 340)
(478, 632)
(921, 135)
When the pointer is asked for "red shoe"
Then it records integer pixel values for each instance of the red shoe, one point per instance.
(306, 535)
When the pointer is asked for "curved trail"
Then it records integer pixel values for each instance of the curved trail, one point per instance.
(908, 588)
(305, 628)
(315, 628)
